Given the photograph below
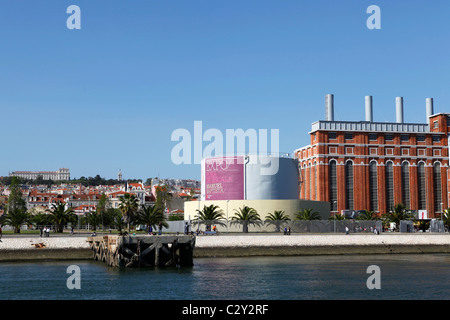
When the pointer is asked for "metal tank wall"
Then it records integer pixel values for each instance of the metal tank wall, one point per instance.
(268, 177)
(250, 177)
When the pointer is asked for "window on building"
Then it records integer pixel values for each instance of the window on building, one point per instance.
(348, 136)
(373, 136)
(349, 185)
(435, 124)
(373, 186)
(389, 186)
(388, 137)
(436, 138)
(405, 184)
(404, 137)
(332, 135)
(437, 186)
(420, 138)
(421, 187)
(332, 176)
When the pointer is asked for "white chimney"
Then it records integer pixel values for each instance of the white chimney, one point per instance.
(430, 108)
(369, 109)
(399, 109)
(329, 107)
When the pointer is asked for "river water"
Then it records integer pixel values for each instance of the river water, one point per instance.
(422, 276)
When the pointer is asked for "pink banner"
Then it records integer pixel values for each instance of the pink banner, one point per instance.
(224, 178)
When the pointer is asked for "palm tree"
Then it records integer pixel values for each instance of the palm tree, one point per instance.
(307, 214)
(246, 216)
(16, 218)
(209, 215)
(446, 218)
(151, 215)
(128, 206)
(94, 219)
(337, 216)
(367, 215)
(114, 217)
(398, 214)
(61, 215)
(277, 218)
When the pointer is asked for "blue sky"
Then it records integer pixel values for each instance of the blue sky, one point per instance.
(108, 96)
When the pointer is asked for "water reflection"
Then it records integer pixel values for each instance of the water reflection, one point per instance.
(422, 276)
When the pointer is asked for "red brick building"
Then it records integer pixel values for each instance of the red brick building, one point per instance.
(373, 166)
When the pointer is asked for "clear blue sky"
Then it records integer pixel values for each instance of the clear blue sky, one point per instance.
(108, 96)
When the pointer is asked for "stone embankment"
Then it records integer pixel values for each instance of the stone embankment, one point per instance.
(16, 248)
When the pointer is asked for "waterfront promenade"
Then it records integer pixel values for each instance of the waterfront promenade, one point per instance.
(69, 247)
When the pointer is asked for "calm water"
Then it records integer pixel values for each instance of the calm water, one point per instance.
(260, 278)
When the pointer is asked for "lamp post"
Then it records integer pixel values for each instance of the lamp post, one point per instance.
(334, 216)
(227, 214)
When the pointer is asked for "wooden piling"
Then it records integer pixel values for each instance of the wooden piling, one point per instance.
(143, 250)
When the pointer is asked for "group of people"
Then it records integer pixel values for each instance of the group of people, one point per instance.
(44, 232)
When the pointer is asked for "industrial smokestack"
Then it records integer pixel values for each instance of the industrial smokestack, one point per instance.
(399, 109)
(430, 108)
(329, 107)
(369, 110)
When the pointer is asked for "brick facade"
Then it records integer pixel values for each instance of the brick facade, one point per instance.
(399, 152)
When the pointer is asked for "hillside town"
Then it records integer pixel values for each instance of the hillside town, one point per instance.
(41, 194)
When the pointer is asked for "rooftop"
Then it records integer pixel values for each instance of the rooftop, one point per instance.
(368, 126)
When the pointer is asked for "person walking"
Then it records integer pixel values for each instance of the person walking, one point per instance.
(346, 230)
(1, 234)
(41, 231)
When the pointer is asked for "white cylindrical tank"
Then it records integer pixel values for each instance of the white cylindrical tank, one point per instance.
(269, 177)
(249, 177)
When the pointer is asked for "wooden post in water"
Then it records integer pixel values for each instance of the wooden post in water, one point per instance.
(143, 250)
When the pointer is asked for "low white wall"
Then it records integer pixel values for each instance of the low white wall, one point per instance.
(263, 207)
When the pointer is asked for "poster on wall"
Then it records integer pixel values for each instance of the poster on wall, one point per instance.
(224, 178)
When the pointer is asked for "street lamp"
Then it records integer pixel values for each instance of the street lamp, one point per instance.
(227, 214)
(334, 216)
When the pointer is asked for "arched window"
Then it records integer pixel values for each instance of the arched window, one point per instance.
(437, 187)
(405, 184)
(349, 185)
(332, 176)
(389, 186)
(421, 186)
(373, 186)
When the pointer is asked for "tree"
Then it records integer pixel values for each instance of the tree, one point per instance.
(16, 210)
(398, 214)
(61, 216)
(128, 206)
(367, 215)
(93, 218)
(41, 219)
(446, 218)
(337, 216)
(162, 197)
(114, 218)
(209, 214)
(307, 214)
(277, 218)
(102, 206)
(151, 215)
(246, 216)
